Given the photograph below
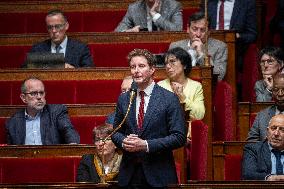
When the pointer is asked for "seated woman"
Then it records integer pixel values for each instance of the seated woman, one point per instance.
(190, 92)
(271, 61)
(91, 166)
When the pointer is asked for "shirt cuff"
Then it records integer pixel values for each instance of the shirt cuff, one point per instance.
(269, 90)
(147, 150)
(156, 17)
(266, 177)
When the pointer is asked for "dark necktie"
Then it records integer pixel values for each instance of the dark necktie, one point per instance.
(141, 110)
(221, 15)
(154, 27)
(279, 166)
(57, 48)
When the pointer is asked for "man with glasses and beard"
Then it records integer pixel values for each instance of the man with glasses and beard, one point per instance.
(39, 123)
(76, 54)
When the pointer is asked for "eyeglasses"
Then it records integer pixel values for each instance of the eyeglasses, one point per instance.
(171, 61)
(277, 90)
(102, 139)
(274, 128)
(269, 62)
(57, 27)
(36, 93)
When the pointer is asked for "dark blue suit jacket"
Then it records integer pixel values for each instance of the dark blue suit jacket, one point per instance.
(256, 161)
(163, 128)
(243, 18)
(77, 53)
(55, 127)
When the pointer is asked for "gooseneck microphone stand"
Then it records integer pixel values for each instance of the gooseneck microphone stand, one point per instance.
(207, 60)
(132, 95)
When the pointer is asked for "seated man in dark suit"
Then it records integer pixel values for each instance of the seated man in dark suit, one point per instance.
(76, 53)
(264, 160)
(39, 123)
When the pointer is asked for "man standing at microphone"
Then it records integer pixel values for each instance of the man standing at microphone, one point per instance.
(155, 126)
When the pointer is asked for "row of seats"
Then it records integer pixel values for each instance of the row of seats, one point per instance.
(90, 21)
(104, 55)
(45, 165)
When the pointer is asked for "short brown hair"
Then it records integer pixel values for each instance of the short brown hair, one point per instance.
(142, 52)
(102, 129)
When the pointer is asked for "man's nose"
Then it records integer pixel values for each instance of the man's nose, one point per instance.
(198, 33)
(281, 92)
(277, 132)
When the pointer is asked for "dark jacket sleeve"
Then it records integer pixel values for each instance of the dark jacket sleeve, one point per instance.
(86, 171)
(65, 126)
(252, 162)
(86, 59)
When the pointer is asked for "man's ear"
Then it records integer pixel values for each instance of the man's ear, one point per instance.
(22, 96)
(187, 28)
(66, 26)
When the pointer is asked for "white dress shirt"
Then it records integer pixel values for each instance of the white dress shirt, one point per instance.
(228, 11)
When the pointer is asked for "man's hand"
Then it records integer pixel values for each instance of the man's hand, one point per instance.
(132, 143)
(268, 81)
(134, 29)
(197, 45)
(68, 65)
(155, 8)
(275, 178)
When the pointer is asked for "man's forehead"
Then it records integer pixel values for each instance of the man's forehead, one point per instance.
(198, 22)
(279, 121)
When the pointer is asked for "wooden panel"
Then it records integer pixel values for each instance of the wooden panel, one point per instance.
(220, 149)
(73, 109)
(246, 109)
(46, 151)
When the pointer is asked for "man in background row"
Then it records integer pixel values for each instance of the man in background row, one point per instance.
(76, 54)
(195, 45)
(264, 160)
(258, 130)
(152, 15)
(40, 123)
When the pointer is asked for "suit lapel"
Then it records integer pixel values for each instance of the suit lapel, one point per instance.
(142, 14)
(132, 116)
(267, 156)
(165, 7)
(69, 47)
(271, 112)
(212, 5)
(235, 14)
(44, 124)
(21, 128)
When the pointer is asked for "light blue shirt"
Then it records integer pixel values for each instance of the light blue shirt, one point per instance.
(228, 11)
(273, 161)
(63, 46)
(33, 135)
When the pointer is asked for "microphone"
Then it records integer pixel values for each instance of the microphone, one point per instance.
(133, 91)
